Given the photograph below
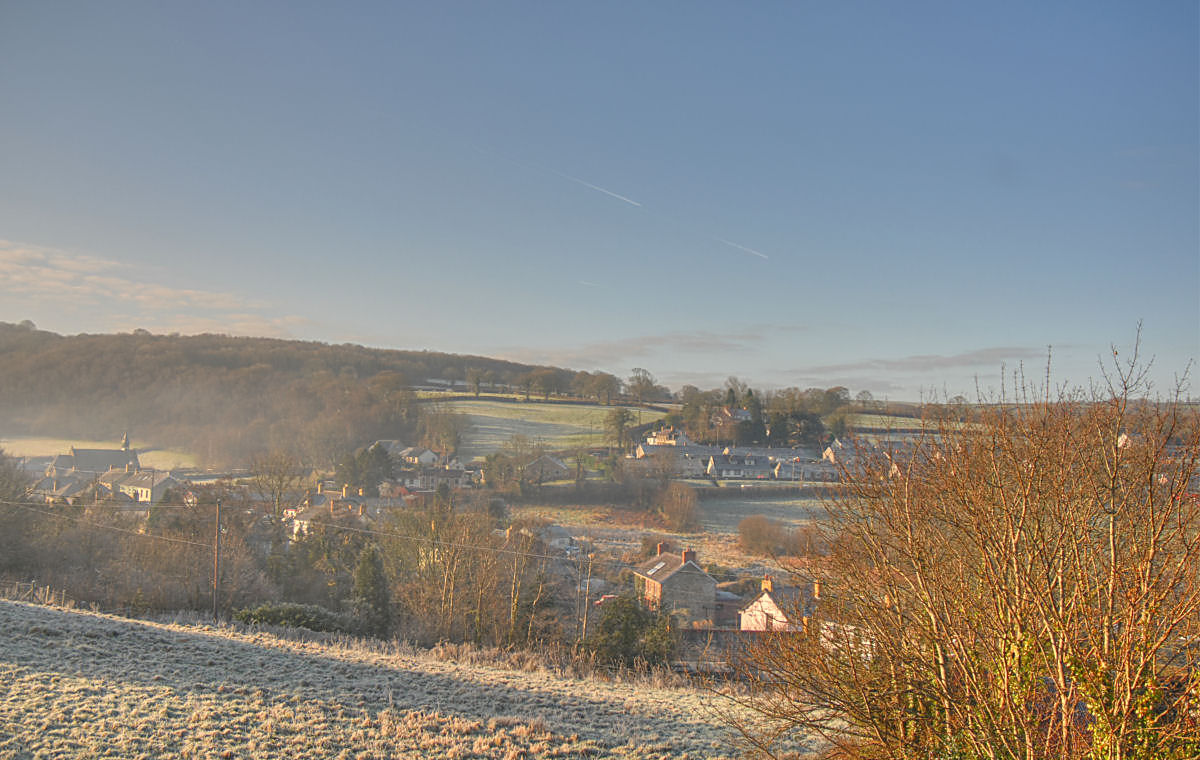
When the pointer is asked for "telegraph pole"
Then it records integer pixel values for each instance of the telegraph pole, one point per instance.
(217, 564)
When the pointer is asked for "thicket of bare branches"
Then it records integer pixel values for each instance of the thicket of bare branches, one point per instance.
(1026, 586)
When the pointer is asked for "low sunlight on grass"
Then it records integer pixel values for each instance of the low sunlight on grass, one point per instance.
(84, 684)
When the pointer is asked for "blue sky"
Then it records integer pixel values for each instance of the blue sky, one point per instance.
(901, 198)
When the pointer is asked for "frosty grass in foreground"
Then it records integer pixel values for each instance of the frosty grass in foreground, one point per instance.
(77, 683)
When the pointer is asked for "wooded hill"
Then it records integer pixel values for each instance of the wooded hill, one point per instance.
(223, 398)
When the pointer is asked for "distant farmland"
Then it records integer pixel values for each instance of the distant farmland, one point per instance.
(722, 515)
(556, 426)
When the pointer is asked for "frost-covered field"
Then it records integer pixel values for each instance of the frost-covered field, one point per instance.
(556, 426)
(78, 684)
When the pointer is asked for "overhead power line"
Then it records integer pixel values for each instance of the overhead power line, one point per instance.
(118, 529)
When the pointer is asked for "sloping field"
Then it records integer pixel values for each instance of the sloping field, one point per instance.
(557, 426)
(77, 684)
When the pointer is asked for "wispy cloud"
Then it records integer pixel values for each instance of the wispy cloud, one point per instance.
(983, 357)
(616, 353)
(120, 297)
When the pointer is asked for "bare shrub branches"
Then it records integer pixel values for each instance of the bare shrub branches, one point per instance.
(1023, 587)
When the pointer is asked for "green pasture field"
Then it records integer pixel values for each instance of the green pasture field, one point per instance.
(556, 426)
(159, 459)
(723, 515)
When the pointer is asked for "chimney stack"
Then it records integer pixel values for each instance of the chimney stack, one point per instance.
(768, 583)
(662, 547)
(816, 591)
(360, 492)
(320, 486)
(345, 490)
(689, 555)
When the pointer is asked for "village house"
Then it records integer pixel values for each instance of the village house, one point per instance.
(728, 415)
(142, 486)
(429, 478)
(67, 488)
(839, 452)
(741, 467)
(545, 469)
(673, 583)
(325, 501)
(418, 456)
(687, 460)
(779, 609)
(668, 436)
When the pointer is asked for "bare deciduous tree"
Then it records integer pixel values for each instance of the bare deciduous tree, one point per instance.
(1027, 586)
(276, 478)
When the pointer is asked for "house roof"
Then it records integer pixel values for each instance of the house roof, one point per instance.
(413, 452)
(545, 461)
(391, 446)
(115, 476)
(788, 599)
(149, 479)
(745, 463)
(96, 460)
(690, 450)
(663, 566)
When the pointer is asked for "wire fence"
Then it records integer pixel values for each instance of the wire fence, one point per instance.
(35, 593)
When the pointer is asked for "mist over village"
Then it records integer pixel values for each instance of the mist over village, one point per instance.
(478, 380)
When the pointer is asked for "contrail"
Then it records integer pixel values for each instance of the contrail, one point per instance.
(630, 201)
(744, 248)
(564, 175)
(610, 193)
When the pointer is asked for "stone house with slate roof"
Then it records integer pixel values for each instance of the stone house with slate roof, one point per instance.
(742, 467)
(673, 583)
